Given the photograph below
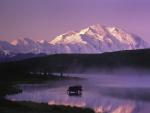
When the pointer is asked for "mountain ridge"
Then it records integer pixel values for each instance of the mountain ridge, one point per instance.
(93, 39)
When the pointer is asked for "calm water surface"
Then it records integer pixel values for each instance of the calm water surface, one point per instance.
(103, 93)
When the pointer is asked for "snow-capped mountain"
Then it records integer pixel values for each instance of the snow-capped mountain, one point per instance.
(97, 39)
(27, 45)
(6, 48)
(93, 39)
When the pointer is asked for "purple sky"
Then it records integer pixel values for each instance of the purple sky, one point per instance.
(45, 19)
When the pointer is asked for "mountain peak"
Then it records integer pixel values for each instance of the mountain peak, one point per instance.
(112, 29)
(98, 38)
(42, 41)
(116, 29)
(94, 30)
(93, 39)
(22, 40)
(96, 26)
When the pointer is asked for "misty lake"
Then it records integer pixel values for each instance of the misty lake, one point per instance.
(127, 92)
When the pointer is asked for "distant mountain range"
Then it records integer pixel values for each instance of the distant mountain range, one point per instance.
(93, 39)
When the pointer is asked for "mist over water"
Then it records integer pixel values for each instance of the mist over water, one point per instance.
(119, 91)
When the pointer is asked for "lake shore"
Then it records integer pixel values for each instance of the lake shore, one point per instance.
(7, 106)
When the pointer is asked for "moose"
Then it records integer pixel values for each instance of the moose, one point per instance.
(75, 90)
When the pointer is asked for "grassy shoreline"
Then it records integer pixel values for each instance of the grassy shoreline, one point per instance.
(10, 87)
(30, 107)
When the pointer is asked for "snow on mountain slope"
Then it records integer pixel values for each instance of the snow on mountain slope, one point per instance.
(93, 39)
(97, 39)
(44, 47)
(25, 45)
(6, 48)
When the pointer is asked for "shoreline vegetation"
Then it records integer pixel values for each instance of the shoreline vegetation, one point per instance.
(26, 71)
(10, 87)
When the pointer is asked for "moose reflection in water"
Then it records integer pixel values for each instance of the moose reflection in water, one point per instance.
(74, 90)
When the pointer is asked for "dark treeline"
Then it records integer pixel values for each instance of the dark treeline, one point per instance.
(63, 62)
(17, 57)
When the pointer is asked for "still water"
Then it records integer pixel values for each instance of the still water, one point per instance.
(105, 93)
